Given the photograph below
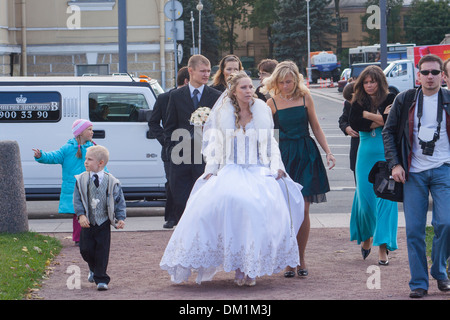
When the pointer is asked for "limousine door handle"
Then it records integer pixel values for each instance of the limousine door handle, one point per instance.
(99, 134)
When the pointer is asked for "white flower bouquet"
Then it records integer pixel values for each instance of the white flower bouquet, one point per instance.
(199, 116)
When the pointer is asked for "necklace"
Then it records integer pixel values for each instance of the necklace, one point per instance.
(286, 99)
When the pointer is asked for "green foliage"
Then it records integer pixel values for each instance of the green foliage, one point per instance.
(263, 16)
(429, 235)
(290, 31)
(24, 259)
(428, 21)
(229, 14)
(210, 41)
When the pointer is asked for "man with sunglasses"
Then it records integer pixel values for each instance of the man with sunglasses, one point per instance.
(416, 141)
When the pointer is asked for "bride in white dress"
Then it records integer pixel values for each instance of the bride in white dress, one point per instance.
(244, 212)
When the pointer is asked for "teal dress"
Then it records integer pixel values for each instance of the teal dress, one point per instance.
(371, 216)
(300, 154)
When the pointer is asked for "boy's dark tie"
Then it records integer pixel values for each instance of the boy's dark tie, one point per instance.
(195, 98)
(96, 180)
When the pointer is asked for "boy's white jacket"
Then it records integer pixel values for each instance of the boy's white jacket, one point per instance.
(220, 130)
(116, 204)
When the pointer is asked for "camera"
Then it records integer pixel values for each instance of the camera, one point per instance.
(427, 147)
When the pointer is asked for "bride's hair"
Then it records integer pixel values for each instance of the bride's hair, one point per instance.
(232, 83)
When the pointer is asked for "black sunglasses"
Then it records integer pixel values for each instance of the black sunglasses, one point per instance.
(433, 72)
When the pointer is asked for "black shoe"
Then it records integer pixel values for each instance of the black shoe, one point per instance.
(302, 272)
(443, 285)
(418, 293)
(383, 262)
(365, 253)
(169, 224)
(289, 274)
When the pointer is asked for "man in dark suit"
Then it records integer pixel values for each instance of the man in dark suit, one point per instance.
(156, 124)
(185, 165)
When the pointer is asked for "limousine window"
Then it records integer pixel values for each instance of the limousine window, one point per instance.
(116, 107)
(26, 106)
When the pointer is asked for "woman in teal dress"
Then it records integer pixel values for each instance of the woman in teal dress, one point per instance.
(373, 220)
(293, 110)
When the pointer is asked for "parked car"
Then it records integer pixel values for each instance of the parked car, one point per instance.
(343, 79)
(355, 70)
(39, 112)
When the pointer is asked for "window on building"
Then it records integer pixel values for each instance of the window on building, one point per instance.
(405, 22)
(344, 24)
(93, 5)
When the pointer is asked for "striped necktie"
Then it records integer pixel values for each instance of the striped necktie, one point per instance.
(195, 98)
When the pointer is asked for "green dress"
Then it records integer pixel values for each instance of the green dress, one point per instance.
(300, 154)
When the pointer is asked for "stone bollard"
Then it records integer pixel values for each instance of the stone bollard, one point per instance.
(13, 206)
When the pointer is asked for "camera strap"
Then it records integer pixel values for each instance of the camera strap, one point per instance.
(438, 117)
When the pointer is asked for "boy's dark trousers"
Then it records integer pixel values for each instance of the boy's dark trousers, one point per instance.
(94, 248)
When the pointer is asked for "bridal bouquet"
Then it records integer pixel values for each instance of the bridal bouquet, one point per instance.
(199, 116)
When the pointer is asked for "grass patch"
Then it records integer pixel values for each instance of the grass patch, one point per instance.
(24, 261)
(429, 234)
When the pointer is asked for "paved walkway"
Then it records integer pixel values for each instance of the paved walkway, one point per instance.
(154, 223)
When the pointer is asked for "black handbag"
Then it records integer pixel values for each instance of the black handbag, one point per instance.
(384, 185)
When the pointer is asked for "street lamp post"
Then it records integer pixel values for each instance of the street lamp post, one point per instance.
(200, 8)
(309, 48)
(193, 34)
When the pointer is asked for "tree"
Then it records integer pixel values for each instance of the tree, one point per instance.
(290, 34)
(428, 21)
(210, 41)
(263, 16)
(229, 14)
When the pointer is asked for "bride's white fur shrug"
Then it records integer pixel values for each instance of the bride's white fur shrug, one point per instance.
(220, 131)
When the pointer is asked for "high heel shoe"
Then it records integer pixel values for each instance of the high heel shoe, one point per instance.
(365, 252)
(384, 262)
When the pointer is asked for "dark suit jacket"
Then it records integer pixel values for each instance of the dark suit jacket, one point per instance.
(180, 108)
(158, 117)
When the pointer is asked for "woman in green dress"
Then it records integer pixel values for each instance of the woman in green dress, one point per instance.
(293, 110)
(373, 220)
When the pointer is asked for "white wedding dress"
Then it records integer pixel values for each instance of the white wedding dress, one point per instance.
(241, 218)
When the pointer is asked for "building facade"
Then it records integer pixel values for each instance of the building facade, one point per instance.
(254, 42)
(67, 38)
